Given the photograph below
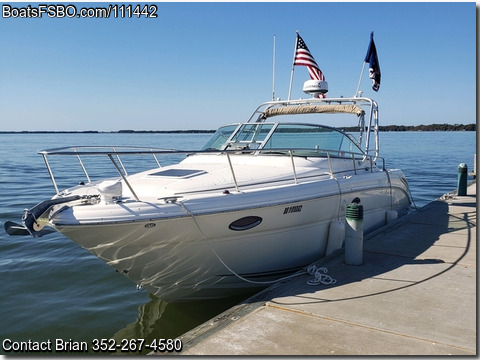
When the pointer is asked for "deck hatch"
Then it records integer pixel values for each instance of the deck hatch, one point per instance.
(179, 173)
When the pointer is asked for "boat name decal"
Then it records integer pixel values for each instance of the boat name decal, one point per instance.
(292, 209)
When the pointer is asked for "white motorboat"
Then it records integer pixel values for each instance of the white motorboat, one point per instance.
(262, 199)
(256, 203)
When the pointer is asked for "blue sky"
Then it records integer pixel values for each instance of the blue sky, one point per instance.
(201, 65)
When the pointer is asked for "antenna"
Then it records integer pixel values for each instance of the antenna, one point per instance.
(273, 75)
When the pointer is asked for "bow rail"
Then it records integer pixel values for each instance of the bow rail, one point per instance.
(114, 153)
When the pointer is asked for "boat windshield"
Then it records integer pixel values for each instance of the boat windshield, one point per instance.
(251, 135)
(308, 140)
(303, 139)
(218, 140)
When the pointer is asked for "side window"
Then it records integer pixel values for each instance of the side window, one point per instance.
(218, 140)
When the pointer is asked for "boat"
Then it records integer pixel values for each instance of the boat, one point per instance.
(259, 201)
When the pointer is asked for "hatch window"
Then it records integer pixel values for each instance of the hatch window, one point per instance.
(179, 173)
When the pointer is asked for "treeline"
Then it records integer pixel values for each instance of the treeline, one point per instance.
(432, 127)
(165, 131)
(111, 132)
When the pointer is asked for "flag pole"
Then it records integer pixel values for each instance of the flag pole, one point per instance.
(293, 67)
(273, 75)
(360, 80)
(364, 62)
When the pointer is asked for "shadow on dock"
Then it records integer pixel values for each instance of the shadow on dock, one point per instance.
(414, 235)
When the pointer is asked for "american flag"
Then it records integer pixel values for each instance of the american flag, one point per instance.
(303, 57)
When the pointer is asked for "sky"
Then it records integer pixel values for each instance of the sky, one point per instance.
(202, 65)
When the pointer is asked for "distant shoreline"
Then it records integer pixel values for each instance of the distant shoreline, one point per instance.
(110, 132)
(386, 128)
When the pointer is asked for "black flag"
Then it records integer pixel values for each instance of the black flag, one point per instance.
(372, 59)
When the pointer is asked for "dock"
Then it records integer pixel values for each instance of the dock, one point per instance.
(414, 294)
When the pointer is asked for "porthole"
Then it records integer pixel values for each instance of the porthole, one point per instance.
(245, 223)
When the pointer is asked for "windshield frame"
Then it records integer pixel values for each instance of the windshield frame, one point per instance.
(257, 140)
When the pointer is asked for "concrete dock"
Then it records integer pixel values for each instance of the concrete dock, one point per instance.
(414, 294)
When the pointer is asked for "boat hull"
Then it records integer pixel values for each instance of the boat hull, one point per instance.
(198, 255)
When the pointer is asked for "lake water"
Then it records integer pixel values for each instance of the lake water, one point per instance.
(54, 289)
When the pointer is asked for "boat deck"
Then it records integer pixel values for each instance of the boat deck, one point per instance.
(415, 294)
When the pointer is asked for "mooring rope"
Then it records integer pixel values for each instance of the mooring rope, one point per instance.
(320, 275)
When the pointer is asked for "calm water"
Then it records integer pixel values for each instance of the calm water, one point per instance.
(53, 289)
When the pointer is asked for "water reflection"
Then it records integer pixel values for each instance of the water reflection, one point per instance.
(159, 320)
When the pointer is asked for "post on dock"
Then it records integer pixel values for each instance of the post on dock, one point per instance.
(462, 179)
(354, 233)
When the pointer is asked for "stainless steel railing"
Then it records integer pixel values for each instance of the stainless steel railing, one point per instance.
(114, 153)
